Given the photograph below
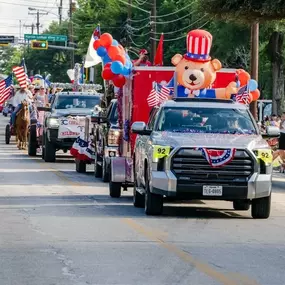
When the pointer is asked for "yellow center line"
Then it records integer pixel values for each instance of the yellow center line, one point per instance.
(205, 268)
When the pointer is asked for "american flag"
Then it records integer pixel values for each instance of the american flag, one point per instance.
(5, 89)
(21, 76)
(243, 95)
(97, 33)
(217, 158)
(158, 95)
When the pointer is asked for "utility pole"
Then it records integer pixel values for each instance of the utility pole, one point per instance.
(30, 26)
(71, 32)
(153, 29)
(254, 62)
(60, 12)
(38, 14)
(20, 29)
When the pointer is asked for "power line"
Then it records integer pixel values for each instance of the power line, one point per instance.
(173, 13)
(17, 4)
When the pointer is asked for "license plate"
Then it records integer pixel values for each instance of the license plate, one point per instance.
(212, 190)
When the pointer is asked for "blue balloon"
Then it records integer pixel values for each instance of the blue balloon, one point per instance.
(115, 43)
(126, 71)
(129, 64)
(106, 59)
(238, 84)
(252, 85)
(117, 67)
(101, 51)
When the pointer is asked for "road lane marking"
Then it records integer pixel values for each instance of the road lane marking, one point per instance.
(188, 258)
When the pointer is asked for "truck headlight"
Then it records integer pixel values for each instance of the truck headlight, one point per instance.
(265, 160)
(53, 123)
(114, 137)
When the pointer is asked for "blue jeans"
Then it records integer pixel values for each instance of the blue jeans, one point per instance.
(13, 115)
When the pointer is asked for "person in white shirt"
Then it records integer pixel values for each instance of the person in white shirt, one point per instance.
(20, 96)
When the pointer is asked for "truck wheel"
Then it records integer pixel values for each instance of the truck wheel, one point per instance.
(7, 134)
(80, 166)
(138, 198)
(105, 171)
(49, 151)
(32, 149)
(241, 205)
(115, 189)
(43, 146)
(260, 208)
(97, 168)
(153, 202)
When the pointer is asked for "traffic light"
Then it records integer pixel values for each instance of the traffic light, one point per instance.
(39, 45)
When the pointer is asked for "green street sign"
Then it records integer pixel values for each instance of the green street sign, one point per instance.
(49, 38)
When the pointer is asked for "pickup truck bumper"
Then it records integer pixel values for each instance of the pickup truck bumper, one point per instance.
(52, 135)
(165, 183)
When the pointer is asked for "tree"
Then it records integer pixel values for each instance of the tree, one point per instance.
(53, 61)
(252, 11)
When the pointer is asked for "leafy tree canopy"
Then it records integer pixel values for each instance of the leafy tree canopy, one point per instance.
(249, 10)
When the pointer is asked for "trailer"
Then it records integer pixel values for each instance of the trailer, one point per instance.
(133, 106)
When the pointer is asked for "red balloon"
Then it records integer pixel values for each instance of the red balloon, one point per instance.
(96, 44)
(108, 65)
(243, 76)
(113, 51)
(107, 74)
(106, 40)
(121, 48)
(255, 94)
(119, 80)
(120, 58)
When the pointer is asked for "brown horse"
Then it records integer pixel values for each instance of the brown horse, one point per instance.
(22, 125)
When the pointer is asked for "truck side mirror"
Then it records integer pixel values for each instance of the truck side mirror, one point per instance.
(272, 131)
(140, 129)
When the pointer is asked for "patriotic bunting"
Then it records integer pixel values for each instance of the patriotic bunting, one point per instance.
(83, 150)
(217, 158)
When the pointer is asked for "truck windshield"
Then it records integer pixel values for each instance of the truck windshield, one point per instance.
(206, 120)
(80, 101)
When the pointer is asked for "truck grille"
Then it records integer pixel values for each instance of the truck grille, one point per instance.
(190, 167)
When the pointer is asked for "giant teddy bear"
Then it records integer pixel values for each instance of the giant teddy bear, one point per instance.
(196, 71)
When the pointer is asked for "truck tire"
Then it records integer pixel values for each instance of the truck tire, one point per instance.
(260, 208)
(7, 134)
(49, 151)
(241, 205)
(97, 168)
(105, 171)
(32, 148)
(80, 166)
(153, 202)
(138, 198)
(115, 189)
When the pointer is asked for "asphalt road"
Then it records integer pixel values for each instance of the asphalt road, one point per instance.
(58, 227)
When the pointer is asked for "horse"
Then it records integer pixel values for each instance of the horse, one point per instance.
(22, 125)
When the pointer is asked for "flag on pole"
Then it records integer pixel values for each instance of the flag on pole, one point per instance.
(21, 76)
(243, 95)
(158, 95)
(158, 59)
(5, 89)
(92, 58)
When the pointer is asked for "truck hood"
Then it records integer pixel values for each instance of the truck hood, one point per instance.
(209, 140)
(56, 113)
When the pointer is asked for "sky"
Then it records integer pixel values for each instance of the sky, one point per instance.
(14, 15)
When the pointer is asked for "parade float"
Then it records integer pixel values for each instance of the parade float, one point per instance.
(194, 74)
